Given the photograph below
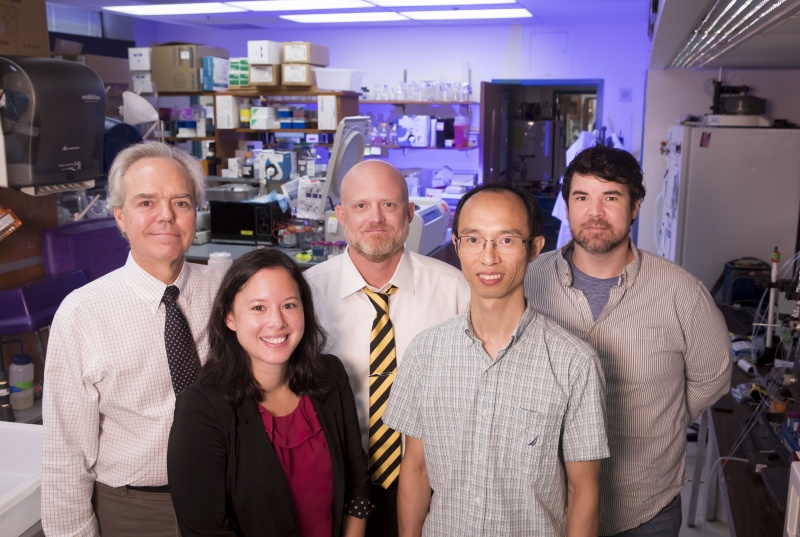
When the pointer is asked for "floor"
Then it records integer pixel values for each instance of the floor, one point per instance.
(703, 527)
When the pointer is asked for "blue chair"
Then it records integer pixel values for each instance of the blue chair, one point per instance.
(32, 307)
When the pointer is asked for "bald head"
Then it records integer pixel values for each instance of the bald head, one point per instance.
(375, 212)
(392, 182)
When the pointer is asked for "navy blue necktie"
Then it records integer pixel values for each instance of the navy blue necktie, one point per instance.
(184, 364)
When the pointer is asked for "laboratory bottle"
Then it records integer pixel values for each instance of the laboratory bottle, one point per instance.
(6, 414)
(245, 110)
(20, 375)
(247, 167)
(383, 134)
(393, 134)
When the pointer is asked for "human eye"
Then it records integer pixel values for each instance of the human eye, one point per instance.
(258, 307)
(360, 205)
(183, 204)
(145, 203)
(471, 240)
(389, 204)
(507, 240)
(291, 306)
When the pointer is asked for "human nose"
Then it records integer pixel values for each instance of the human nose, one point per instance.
(166, 212)
(376, 214)
(275, 318)
(489, 254)
(596, 207)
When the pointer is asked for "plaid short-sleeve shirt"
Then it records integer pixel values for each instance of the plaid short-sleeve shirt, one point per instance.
(496, 433)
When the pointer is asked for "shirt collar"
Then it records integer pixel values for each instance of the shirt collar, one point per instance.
(522, 326)
(351, 280)
(149, 288)
(626, 278)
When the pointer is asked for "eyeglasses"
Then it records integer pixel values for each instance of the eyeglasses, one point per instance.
(507, 244)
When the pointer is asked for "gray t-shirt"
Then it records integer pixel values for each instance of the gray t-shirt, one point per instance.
(595, 289)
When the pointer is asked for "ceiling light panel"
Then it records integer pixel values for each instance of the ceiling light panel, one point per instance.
(467, 14)
(374, 16)
(436, 3)
(728, 24)
(175, 9)
(300, 5)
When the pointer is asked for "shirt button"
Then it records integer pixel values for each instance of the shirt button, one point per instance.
(476, 501)
(485, 412)
(480, 456)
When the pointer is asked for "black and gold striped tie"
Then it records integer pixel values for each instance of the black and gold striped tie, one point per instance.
(384, 443)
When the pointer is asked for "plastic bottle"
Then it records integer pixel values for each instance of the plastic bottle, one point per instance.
(393, 134)
(461, 132)
(383, 133)
(21, 381)
(6, 414)
(245, 110)
(220, 261)
(247, 167)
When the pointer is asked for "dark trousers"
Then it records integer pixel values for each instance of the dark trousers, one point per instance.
(666, 523)
(383, 520)
(122, 512)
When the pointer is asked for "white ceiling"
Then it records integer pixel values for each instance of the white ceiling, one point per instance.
(776, 47)
(544, 12)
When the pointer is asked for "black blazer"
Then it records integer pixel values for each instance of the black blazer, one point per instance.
(225, 477)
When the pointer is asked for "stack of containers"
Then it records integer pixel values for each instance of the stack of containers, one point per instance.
(239, 74)
(264, 58)
(298, 59)
(140, 65)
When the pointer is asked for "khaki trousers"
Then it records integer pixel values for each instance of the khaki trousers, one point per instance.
(122, 512)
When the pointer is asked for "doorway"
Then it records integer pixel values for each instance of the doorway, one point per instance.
(526, 128)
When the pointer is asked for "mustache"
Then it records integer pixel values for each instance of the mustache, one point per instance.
(597, 222)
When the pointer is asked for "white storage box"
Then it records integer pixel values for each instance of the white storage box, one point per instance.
(297, 75)
(142, 82)
(335, 79)
(139, 58)
(264, 52)
(304, 52)
(20, 477)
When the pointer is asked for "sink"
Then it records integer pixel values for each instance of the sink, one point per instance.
(20, 476)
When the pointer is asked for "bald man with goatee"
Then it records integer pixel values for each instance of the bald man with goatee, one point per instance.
(352, 293)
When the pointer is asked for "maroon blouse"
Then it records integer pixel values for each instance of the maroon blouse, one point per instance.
(303, 452)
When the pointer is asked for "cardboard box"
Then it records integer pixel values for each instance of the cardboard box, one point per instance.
(139, 58)
(227, 109)
(264, 52)
(215, 73)
(23, 31)
(110, 70)
(177, 67)
(327, 113)
(304, 52)
(265, 75)
(297, 75)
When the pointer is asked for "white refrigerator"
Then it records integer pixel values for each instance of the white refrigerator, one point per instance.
(728, 192)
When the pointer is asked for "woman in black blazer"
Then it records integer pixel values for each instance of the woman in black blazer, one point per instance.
(267, 442)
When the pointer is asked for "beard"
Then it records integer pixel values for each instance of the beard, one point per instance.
(377, 249)
(599, 242)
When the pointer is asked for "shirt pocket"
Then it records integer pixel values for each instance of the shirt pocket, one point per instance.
(637, 354)
(533, 437)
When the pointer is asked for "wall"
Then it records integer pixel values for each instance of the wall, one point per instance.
(617, 52)
(673, 93)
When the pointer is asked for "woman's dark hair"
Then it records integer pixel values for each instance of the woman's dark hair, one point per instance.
(229, 366)
(609, 164)
(535, 219)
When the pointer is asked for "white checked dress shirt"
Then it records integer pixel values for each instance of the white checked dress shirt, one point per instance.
(496, 433)
(108, 397)
(428, 292)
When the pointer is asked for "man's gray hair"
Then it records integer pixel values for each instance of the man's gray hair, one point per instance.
(128, 157)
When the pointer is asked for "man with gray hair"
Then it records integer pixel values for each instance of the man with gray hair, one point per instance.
(120, 350)
(373, 300)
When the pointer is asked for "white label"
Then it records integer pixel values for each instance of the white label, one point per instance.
(295, 53)
(332, 224)
(185, 55)
(294, 73)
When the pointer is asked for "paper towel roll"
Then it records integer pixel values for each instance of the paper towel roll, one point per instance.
(745, 366)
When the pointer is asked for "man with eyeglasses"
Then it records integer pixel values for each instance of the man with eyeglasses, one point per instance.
(663, 343)
(503, 410)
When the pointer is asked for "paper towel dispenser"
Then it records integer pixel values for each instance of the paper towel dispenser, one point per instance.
(52, 114)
